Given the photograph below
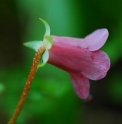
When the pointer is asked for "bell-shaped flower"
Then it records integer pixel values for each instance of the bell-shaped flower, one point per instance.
(80, 57)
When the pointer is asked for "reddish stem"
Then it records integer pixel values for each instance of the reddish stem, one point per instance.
(19, 107)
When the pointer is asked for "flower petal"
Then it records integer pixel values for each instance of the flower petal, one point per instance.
(92, 42)
(95, 40)
(81, 85)
(92, 64)
(69, 58)
(68, 41)
(98, 67)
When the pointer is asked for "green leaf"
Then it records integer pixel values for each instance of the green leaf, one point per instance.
(34, 45)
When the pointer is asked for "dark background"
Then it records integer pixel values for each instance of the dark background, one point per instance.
(52, 99)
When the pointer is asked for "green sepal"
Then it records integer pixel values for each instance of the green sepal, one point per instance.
(47, 33)
(45, 58)
(49, 38)
(49, 41)
(34, 45)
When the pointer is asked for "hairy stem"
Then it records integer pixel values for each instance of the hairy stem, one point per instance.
(21, 102)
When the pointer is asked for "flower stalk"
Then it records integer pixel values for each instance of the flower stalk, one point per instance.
(32, 73)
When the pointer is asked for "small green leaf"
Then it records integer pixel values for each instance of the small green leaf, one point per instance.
(47, 33)
(34, 45)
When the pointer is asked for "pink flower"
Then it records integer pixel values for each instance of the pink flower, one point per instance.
(81, 58)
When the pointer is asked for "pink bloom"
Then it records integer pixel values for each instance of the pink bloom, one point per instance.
(81, 58)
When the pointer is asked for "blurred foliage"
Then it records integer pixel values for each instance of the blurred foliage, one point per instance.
(2, 88)
(51, 98)
(46, 96)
